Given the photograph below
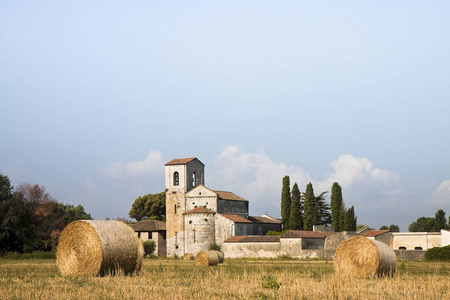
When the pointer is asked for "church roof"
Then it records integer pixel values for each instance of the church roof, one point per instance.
(182, 161)
(149, 225)
(240, 219)
(200, 210)
(253, 239)
(292, 234)
(228, 196)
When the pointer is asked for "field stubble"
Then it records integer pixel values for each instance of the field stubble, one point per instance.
(235, 279)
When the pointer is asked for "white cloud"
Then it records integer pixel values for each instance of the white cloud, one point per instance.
(441, 195)
(350, 170)
(256, 177)
(120, 170)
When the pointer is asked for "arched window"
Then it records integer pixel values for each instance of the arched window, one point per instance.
(418, 248)
(194, 237)
(193, 179)
(176, 179)
(402, 248)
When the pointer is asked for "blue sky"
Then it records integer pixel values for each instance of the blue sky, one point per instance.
(97, 95)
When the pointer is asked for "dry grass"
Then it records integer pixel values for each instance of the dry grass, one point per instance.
(235, 279)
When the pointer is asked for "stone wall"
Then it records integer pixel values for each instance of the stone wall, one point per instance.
(224, 229)
(199, 232)
(416, 240)
(256, 250)
(407, 255)
(232, 207)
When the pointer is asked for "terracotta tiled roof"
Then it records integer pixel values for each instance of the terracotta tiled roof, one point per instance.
(374, 233)
(236, 218)
(200, 210)
(254, 239)
(149, 225)
(228, 196)
(181, 161)
(307, 234)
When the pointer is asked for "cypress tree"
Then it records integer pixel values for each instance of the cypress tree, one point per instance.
(440, 222)
(350, 220)
(311, 209)
(324, 209)
(336, 206)
(296, 217)
(285, 202)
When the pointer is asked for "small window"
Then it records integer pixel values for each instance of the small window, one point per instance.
(193, 179)
(194, 236)
(175, 208)
(418, 248)
(176, 179)
(402, 248)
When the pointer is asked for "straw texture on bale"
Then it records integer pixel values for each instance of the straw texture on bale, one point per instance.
(89, 247)
(206, 258)
(219, 255)
(360, 256)
(188, 256)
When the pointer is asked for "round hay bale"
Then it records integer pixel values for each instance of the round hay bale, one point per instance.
(360, 256)
(219, 255)
(206, 258)
(188, 256)
(88, 247)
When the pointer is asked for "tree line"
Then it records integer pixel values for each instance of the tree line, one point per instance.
(300, 211)
(31, 219)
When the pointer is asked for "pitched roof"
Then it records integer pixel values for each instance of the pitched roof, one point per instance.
(236, 218)
(265, 220)
(306, 234)
(149, 225)
(228, 196)
(253, 239)
(374, 233)
(182, 161)
(200, 210)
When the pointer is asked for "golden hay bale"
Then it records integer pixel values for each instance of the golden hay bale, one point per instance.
(88, 247)
(360, 256)
(219, 255)
(206, 258)
(188, 256)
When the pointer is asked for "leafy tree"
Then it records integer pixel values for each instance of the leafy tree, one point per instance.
(296, 217)
(16, 228)
(350, 220)
(33, 195)
(151, 207)
(423, 224)
(440, 222)
(336, 207)
(384, 227)
(394, 228)
(324, 209)
(311, 210)
(73, 213)
(285, 202)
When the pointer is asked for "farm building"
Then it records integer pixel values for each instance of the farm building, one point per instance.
(152, 230)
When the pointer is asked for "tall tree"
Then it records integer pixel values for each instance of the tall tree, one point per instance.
(296, 216)
(440, 222)
(350, 220)
(311, 210)
(336, 204)
(151, 207)
(285, 202)
(324, 209)
(422, 224)
(384, 227)
(394, 228)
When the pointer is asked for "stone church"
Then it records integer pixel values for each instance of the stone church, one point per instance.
(197, 216)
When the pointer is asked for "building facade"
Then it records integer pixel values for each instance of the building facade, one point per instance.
(197, 216)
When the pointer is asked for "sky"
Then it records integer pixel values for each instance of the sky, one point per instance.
(96, 96)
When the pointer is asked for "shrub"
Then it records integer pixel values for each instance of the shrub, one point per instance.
(149, 247)
(270, 282)
(214, 246)
(438, 254)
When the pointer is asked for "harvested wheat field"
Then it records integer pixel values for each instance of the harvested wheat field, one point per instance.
(234, 279)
